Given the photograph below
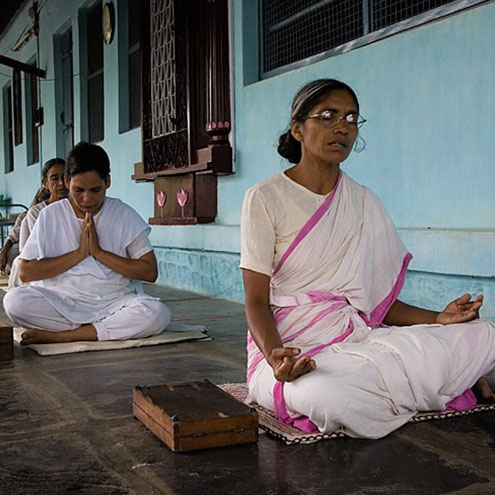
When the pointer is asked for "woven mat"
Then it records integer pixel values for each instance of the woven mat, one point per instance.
(175, 332)
(291, 435)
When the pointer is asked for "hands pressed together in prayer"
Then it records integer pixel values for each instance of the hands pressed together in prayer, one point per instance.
(286, 366)
(89, 244)
(460, 310)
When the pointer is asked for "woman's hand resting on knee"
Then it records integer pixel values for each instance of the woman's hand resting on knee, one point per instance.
(460, 310)
(286, 366)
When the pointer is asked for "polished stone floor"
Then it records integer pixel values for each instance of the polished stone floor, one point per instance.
(66, 427)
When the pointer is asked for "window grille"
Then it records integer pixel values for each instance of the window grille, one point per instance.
(185, 107)
(163, 83)
(387, 12)
(293, 30)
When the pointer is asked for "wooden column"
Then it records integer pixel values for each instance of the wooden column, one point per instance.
(218, 119)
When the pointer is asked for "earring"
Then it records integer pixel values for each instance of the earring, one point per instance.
(359, 144)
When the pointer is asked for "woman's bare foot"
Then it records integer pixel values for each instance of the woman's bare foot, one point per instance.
(483, 391)
(37, 336)
(34, 336)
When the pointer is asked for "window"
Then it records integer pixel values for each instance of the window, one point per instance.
(129, 64)
(387, 12)
(17, 95)
(32, 117)
(294, 30)
(186, 107)
(64, 92)
(134, 61)
(8, 132)
(95, 101)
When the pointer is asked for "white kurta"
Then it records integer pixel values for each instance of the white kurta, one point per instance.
(29, 222)
(25, 228)
(89, 292)
(334, 275)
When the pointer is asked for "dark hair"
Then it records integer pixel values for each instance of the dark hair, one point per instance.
(49, 164)
(87, 157)
(306, 98)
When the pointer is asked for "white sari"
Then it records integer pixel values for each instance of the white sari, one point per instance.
(337, 280)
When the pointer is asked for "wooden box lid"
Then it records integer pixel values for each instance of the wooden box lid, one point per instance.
(195, 415)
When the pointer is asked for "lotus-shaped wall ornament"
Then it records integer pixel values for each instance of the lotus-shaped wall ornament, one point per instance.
(161, 199)
(182, 197)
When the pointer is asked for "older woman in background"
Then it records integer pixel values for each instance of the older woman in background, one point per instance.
(53, 189)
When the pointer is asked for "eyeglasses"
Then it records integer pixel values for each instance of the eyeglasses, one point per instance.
(331, 118)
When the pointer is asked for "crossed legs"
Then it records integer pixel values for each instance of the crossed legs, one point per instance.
(140, 317)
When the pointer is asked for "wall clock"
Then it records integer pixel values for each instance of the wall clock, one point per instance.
(108, 22)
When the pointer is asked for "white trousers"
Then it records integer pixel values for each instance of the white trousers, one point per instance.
(140, 317)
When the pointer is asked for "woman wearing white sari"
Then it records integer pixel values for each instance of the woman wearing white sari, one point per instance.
(323, 266)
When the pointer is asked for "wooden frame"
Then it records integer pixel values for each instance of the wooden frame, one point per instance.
(185, 106)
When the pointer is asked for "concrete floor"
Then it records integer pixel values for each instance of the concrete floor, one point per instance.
(67, 428)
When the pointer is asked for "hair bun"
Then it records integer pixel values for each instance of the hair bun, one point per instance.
(289, 147)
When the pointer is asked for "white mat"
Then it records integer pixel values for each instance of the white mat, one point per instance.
(175, 332)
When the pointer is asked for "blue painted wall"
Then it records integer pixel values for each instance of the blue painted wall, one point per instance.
(124, 149)
(428, 94)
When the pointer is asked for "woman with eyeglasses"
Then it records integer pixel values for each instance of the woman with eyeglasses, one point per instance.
(331, 347)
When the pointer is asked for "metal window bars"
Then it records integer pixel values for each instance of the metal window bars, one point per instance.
(294, 31)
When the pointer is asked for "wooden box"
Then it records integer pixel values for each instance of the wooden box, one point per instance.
(195, 415)
(6, 341)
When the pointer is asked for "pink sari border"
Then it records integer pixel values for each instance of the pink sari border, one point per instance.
(281, 313)
(303, 422)
(308, 226)
(467, 400)
(322, 314)
(378, 314)
(317, 296)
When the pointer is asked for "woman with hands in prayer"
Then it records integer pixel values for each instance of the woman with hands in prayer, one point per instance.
(84, 261)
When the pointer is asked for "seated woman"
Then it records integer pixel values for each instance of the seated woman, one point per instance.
(11, 248)
(53, 180)
(53, 189)
(82, 261)
(322, 268)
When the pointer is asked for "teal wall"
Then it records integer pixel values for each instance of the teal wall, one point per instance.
(211, 273)
(429, 97)
(124, 149)
(428, 94)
